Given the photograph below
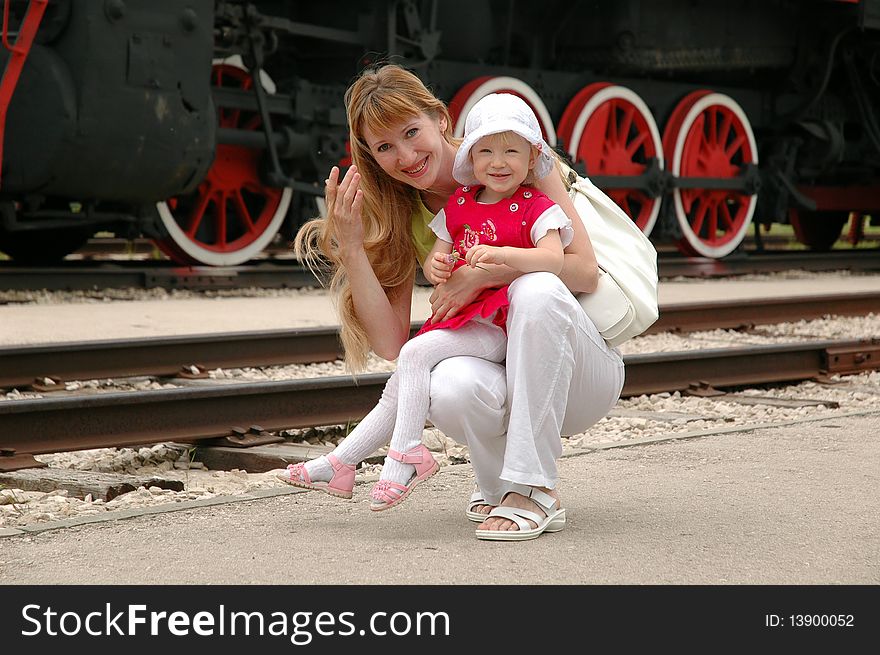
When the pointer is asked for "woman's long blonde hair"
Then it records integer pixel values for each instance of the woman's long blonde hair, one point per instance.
(380, 98)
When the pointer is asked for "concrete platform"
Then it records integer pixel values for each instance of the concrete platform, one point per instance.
(29, 324)
(787, 504)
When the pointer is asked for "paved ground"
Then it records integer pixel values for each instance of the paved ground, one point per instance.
(796, 504)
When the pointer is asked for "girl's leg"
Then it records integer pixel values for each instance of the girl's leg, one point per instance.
(368, 436)
(417, 358)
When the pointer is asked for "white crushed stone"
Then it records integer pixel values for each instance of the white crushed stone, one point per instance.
(793, 274)
(820, 329)
(87, 296)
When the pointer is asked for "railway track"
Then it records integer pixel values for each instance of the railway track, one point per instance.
(165, 356)
(112, 247)
(287, 273)
(62, 422)
(32, 427)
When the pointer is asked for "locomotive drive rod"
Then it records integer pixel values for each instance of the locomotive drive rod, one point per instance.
(288, 142)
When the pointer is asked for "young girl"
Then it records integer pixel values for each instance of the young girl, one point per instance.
(493, 219)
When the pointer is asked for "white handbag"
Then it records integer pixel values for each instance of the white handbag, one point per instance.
(625, 302)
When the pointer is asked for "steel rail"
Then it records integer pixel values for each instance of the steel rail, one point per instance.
(852, 260)
(164, 356)
(22, 365)
(283, 273)
(87, 276)
(690, 317)
(98, 247)
(29, 427)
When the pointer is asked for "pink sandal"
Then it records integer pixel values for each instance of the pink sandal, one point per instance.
(386, 494)
(340, 484)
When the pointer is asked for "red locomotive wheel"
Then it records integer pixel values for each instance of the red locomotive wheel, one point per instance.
(611, 130)
(232, 215)
(468, 95)
(817, 230)
(709, 135)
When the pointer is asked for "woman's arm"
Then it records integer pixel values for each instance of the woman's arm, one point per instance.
(385, 317)
(464, 285)
(580, 273)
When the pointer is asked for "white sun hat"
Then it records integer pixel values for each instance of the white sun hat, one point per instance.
(493, 114)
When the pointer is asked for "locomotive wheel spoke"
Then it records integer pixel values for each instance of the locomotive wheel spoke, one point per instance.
(612, 137)
(623, 132)
(637, 143)
(725, 215)
(220, 219)
(734, 147)
(712, 232)
(712, 125)
(243, 212)
(700, 215)
(724, 131)
(198, 212)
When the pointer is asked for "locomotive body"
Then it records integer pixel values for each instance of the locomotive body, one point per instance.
(206, 124)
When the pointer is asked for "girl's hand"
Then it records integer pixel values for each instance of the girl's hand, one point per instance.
(344, 203)
(483, 254)
(440, 269)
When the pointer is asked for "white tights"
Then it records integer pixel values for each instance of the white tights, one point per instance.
(403, 408)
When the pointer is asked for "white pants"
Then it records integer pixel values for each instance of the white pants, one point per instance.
(560, 378)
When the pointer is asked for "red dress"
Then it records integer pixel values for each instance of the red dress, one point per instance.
(507, 222)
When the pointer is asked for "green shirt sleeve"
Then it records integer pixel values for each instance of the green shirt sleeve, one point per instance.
(422, 236)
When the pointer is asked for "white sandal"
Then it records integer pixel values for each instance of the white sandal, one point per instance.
(476, 499)
(552, 521)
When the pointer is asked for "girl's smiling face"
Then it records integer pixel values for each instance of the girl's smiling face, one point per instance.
(502, 162)
(412, 151)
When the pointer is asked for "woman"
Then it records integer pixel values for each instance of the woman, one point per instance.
(510, 416)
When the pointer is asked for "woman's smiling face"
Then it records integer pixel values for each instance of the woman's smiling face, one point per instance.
(411, 151)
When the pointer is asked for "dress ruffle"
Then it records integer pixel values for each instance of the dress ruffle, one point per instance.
(491, 302)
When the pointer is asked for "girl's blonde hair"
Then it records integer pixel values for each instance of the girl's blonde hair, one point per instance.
(379, 99)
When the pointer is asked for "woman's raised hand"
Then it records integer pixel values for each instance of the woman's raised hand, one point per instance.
(344, 203)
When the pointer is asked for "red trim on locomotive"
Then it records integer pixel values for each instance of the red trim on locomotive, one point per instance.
(843, 198)
(19, 54)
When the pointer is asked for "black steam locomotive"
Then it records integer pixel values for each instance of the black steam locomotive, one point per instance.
(205, 124)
